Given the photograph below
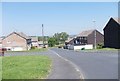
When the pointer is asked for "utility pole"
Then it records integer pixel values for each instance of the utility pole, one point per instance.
(94, 34)
(43, 34)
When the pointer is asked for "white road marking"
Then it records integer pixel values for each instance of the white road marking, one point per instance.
(75, 66)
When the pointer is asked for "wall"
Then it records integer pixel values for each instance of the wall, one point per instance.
(72, 47)
(99, 38)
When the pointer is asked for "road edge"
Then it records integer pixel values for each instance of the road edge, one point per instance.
(74, 65)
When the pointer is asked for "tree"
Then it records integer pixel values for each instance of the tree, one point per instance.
(57, 38)
(60, 37)
(40, 38)
(63, 36)
(51, 42)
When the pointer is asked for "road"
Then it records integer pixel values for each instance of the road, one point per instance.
(69, 64)
(94, 64)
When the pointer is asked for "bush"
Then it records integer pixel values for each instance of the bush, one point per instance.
(51, 42)
(82, 48)
(33, 47)
(99, 46)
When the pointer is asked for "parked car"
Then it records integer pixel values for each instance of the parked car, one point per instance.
(59, 46)
(65, 47)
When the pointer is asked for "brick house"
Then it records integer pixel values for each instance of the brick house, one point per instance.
(112, 33)
(86, 38)
(16, 41)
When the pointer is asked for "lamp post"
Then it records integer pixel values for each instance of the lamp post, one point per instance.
(43, 34)
(94, 34)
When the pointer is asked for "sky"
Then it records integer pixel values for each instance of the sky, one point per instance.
(70, 17)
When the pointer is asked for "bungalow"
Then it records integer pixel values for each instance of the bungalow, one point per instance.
(41, 44)
(34, 41)
(16, 41)
(86, 39)
(112, 33)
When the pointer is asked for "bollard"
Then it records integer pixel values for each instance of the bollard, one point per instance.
(2, 50)
(2, 53)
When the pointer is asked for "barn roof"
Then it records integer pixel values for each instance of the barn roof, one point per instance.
(117, 20)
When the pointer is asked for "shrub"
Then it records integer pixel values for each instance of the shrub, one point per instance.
(99, 46)
(33, 47)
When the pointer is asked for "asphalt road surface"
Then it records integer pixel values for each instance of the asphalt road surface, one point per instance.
(93, 64)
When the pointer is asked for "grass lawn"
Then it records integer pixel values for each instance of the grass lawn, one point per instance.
(0, 68)
(109, 49)
(40, 49)
(25, 67)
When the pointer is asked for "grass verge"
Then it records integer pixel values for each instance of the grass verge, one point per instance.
(40, 49)
(26, 67)
(0, 68)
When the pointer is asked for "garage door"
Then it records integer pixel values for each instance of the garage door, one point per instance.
(17, 49)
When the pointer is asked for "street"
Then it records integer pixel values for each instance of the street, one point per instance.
(93, 65)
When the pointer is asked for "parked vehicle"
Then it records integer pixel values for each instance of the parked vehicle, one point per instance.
(59, 46)
(65, 47)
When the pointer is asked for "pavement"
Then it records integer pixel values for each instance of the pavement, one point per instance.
(69, 64)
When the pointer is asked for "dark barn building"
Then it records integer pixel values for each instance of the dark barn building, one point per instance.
(112, 34)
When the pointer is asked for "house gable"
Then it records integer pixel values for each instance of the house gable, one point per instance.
(99, 37)
(14, 40)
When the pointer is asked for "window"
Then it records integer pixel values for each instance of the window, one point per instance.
(85, 38)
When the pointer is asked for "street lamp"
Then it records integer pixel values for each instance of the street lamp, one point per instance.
(43, 34)
(94, 35)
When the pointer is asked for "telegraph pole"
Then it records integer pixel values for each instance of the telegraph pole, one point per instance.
(94, 34)
(43, 34)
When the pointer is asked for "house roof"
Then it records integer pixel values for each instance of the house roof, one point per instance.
(85, 33)
(34, 38)
(70, 39)
(21, 34)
